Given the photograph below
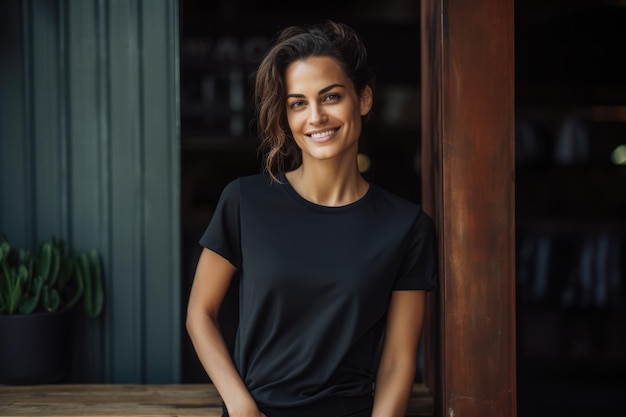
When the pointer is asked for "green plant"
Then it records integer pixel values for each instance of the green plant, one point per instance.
(89, 272)
(49, 280)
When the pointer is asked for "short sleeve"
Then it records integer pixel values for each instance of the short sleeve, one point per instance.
(222, 235)
(419, 269)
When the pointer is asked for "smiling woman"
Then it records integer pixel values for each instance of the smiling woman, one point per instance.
(222, 43)
(324, 111)
(333, 269)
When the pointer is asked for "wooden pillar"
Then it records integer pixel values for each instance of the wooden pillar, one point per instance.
(468, 183)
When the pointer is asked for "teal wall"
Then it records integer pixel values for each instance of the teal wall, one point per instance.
(89, 152)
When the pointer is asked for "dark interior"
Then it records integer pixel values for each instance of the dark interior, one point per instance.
(570, 167)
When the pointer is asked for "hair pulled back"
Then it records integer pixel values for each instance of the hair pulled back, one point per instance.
(329, 39)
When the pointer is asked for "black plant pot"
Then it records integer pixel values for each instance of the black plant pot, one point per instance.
(35, 348)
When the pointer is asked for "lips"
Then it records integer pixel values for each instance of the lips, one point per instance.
(323, 135)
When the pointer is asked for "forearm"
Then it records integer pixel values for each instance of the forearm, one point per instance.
(392, 390)
(215, 358)
(396, 372)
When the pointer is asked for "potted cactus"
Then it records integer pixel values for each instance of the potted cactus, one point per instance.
(39, 291)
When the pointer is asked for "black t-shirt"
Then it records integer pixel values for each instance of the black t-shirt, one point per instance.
(315, 284)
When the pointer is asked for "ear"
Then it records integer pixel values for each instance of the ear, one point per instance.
(366, 100)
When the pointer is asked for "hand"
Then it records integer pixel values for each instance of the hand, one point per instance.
(252, 413)
(246, 410)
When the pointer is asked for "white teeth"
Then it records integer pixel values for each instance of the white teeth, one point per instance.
(322, 134)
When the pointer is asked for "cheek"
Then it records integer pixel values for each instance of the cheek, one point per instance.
(352, 114)
(294, 120)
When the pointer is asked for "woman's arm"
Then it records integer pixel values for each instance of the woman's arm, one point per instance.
(396, 372)
(212, 279)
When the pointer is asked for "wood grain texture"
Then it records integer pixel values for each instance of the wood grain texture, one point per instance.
(121, 400)
(468, 168)
(110, 400)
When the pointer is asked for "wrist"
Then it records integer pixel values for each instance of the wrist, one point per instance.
(243, 408)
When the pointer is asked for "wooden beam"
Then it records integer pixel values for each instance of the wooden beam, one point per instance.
(468, 183)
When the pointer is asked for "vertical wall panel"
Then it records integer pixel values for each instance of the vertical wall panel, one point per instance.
(126, 166)
(161, 179)
(47, 118)
(87, 202)
(84, 106)
(16, 208)
(89, 151)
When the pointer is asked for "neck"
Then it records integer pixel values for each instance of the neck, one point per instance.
(328, 184)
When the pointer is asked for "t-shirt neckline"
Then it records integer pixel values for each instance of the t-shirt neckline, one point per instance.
(314, 206)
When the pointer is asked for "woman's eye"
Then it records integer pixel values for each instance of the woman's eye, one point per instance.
(331, 97)
(296, 104)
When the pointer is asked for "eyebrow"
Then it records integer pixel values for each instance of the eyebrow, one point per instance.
(319, 93)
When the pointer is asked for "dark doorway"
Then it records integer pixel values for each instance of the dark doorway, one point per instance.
(571, 207)
(220, 45)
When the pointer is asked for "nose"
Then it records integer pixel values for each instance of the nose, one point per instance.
(318, 115)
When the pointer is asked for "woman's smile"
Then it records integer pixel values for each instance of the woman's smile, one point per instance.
(322, 136)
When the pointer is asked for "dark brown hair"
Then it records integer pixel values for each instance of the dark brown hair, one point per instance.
(328, 39)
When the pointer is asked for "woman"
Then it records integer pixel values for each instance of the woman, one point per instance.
(333, 270)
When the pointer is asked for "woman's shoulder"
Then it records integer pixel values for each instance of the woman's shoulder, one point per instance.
(254, 181)
(247, 180)
(250, 185)
(394, 201)
(401, 208)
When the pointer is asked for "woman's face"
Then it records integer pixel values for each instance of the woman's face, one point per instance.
(323, 109)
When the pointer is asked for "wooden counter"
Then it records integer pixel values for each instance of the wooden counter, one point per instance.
(183, 400)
